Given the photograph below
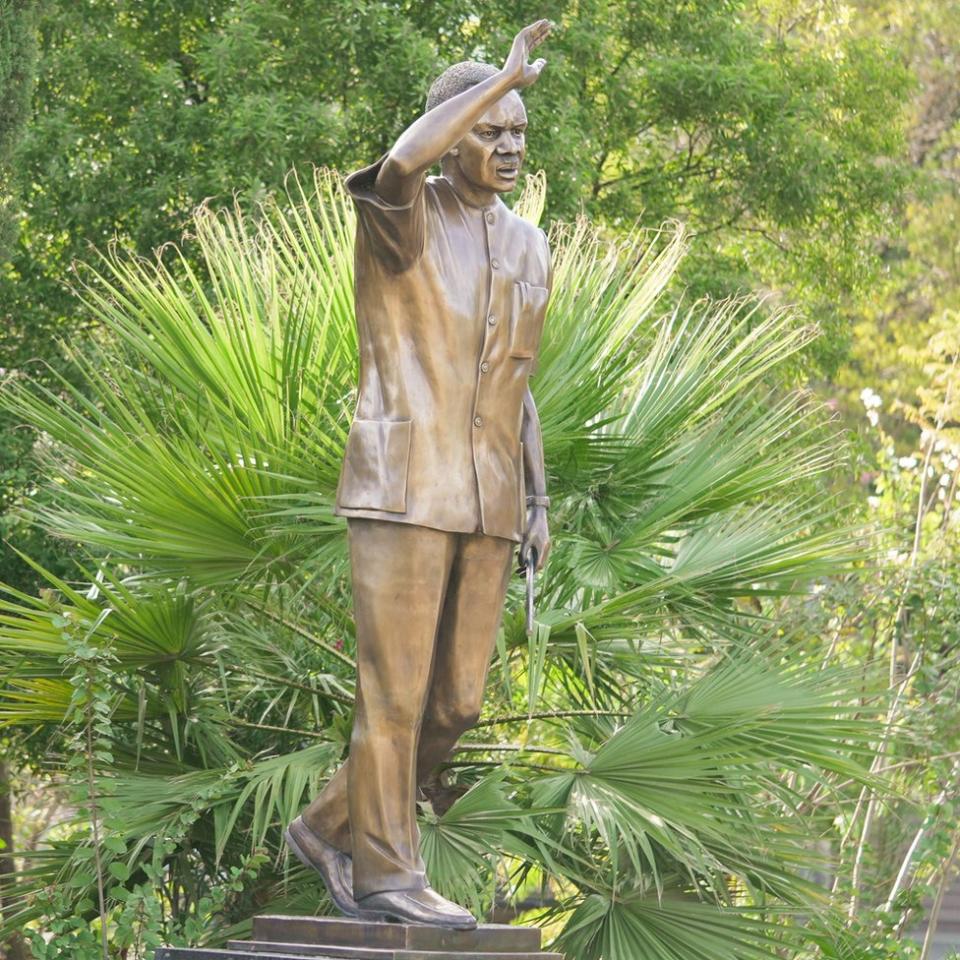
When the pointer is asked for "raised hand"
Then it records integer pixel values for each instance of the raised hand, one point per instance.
(516, 66)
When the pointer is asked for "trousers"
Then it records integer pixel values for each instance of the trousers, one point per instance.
(427, 605)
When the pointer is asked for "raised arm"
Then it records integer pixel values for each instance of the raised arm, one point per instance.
(432, 135)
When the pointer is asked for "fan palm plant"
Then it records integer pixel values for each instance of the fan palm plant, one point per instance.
(639, 781)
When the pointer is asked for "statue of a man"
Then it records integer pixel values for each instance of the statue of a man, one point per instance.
(443, 471)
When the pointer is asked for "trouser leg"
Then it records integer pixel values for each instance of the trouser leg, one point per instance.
(399, 573)
(328, 815)
(474, 574)
(472, 610)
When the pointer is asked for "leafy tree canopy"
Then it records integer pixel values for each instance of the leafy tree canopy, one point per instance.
(918, 296)
(768, 126)
(654, 735)
(18, 54)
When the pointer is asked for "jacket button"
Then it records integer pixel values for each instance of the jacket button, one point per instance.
(484, 367)
(490, 218)
(495, 263)
(491, 320)
(478, 421)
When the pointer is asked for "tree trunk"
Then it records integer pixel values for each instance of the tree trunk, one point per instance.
(14, 948)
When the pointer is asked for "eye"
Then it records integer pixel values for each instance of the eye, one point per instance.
(488, 134)
(519, 131)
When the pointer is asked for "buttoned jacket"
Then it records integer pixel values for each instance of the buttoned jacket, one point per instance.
(450, 304)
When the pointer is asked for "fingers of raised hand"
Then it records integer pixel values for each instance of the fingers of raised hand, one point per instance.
(536, 33)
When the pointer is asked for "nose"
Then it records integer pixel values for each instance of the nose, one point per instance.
(508, 143)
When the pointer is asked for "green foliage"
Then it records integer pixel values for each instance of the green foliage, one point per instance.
(661, 742)
(919, 286)
(18, 64)
(899, 619)
(771, 129)
(761, 125)
(18, 58)
(192, 429)
(672, 928)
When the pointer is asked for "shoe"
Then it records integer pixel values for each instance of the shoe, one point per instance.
(416, 906)
(334, 866)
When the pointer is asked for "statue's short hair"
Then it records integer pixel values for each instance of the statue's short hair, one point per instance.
(461, 76)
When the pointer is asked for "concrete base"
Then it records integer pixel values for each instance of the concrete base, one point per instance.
(325, 938)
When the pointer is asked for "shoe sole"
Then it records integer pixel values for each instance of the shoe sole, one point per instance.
(376, 916)
(347, 909)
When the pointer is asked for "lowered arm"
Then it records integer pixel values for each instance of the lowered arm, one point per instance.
(535, 476)
(537, 534)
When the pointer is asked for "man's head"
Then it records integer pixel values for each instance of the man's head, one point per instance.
(490, 155)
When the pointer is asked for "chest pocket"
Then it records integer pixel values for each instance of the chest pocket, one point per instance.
(526, 323)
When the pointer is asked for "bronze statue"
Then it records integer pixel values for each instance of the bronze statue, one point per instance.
(443, 470)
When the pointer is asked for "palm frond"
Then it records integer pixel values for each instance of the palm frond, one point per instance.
(649, 763)
(666, 929)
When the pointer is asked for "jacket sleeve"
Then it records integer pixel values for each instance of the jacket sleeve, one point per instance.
(392, 234)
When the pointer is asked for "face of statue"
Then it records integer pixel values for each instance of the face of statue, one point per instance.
(488, 158)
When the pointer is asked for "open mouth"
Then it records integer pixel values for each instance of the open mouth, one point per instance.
(508, 171)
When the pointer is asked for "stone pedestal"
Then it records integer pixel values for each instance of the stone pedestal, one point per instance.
(324, 938)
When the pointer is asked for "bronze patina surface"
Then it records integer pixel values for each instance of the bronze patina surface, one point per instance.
(442, 457)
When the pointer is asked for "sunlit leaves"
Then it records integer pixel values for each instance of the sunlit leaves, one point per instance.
(667, 929)
(461, 846)
(640, 749)
(219, 407)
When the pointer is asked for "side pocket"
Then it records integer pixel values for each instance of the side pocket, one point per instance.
(526, 324)
(374, 475)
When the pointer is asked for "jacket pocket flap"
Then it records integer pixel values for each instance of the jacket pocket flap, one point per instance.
(374, 475)
(529, 306)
